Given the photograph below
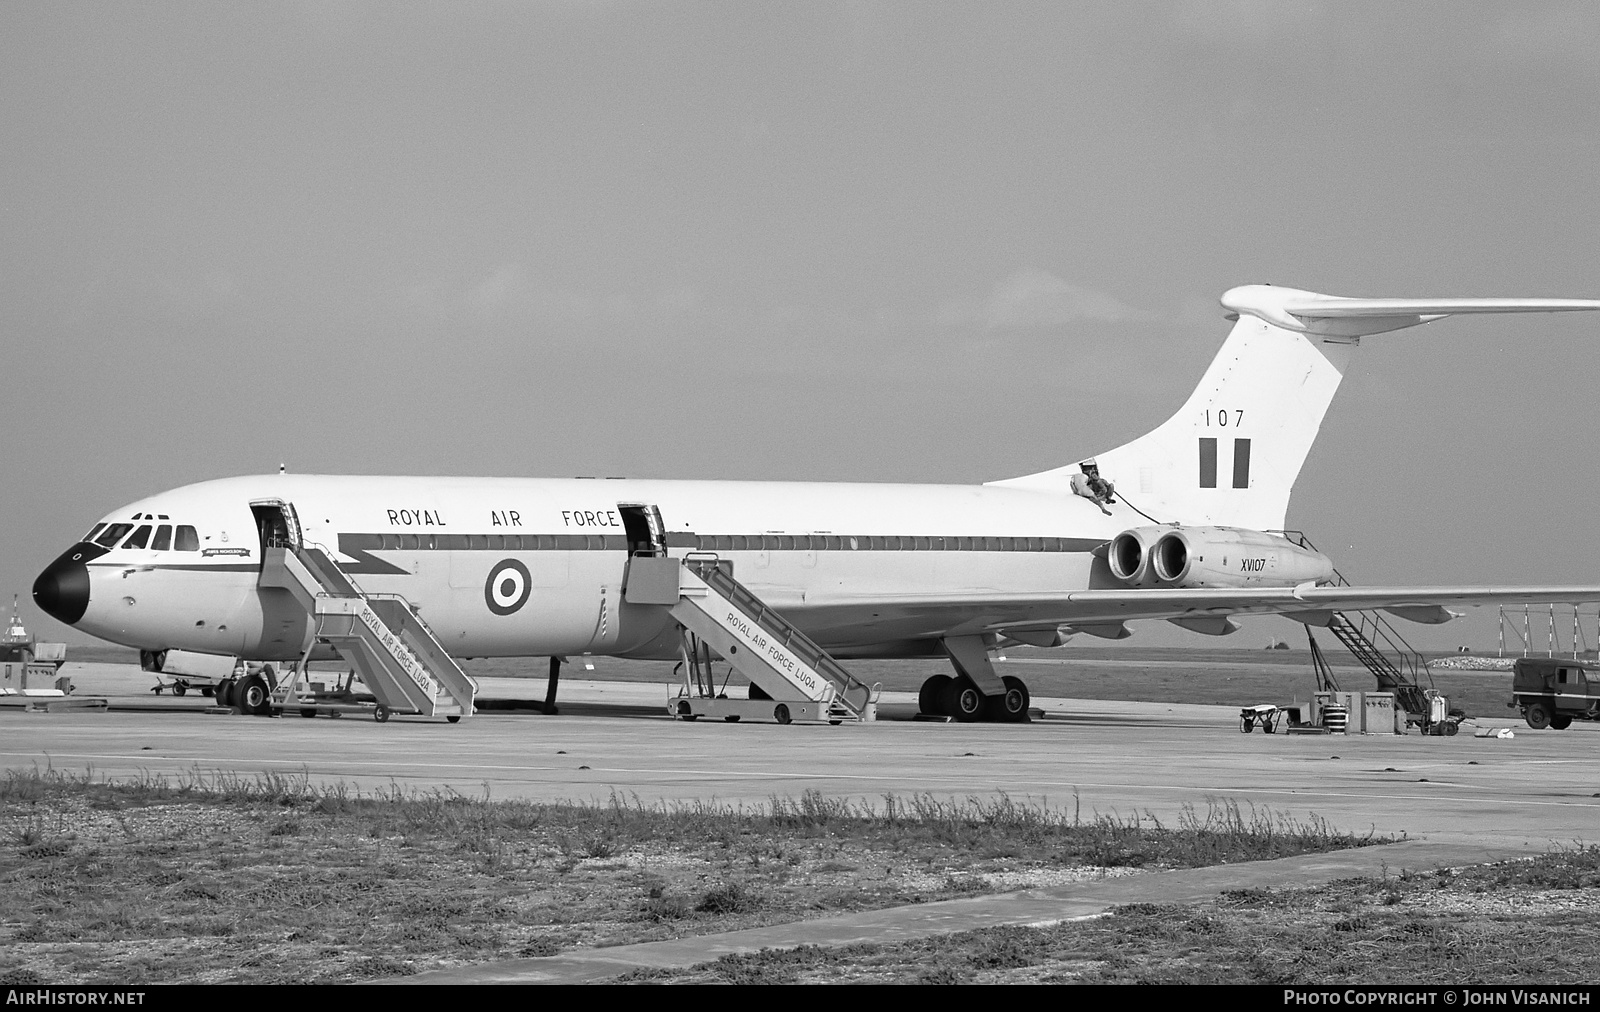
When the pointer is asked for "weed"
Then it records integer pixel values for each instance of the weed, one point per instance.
(728, 898)
(540, 947)
(47, 848)
(666, 907)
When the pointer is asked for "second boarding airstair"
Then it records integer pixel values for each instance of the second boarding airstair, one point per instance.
(791, 677)
(394, 652)
(1378, 645)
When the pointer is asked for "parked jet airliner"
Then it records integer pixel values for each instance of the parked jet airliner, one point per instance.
(1177, 525)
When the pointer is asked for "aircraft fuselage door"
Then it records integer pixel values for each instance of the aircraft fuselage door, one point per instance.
(647, 535)
(277, 524)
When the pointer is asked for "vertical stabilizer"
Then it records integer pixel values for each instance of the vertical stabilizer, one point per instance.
(1231, 454)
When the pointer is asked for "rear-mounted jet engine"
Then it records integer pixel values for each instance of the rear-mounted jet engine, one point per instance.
(1213, 557)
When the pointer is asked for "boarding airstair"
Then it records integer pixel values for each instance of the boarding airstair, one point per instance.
(720, 618)
(394, 652)
(1378, 645)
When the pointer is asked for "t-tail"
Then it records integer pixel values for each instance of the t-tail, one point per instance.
(1231, 454)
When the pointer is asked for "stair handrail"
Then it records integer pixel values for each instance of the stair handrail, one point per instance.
(334, 561)
(758, 611)
(369, 597)
(1411, 659)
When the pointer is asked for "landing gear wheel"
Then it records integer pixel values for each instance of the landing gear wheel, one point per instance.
(1561, 721)
(224, 693)
(252, 696)
(780, 713)
(1538, 716)
(381, 714)
(1012, 706)
(963, 701)
(930, 698)
(180, 689)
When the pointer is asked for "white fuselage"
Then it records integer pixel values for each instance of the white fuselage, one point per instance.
(859, 567)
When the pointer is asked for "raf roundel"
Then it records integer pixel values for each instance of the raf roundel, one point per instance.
(507, 587)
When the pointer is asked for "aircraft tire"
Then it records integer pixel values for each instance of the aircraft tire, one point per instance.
(252, 696)
(930, 699)
(1012, 707)
(1561, 721)
(1538, 716)
(963, 701)
(224, 692)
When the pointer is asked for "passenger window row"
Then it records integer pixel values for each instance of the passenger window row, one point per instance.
(720, 542)
(876, 543)
(182, 538)
(501, 542)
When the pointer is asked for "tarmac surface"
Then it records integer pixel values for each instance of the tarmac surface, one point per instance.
(1456, 800)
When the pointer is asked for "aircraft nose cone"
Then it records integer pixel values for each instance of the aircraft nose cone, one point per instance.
(62, 590)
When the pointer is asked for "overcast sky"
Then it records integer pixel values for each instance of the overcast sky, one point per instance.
(846, 241)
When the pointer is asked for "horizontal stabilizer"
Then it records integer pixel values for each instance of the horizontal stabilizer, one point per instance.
(1334, 308)
(1332, 316)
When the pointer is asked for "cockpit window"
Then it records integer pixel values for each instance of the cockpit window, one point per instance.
(96, 529)
(139, 538)
(163, 539)
(188, 540)
(112, 534)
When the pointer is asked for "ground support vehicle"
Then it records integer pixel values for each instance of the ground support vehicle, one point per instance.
(182, 670)
(1435, 716)
(1555, 691)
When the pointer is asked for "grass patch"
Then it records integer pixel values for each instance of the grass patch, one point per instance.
(1520, 922)
(227, 878)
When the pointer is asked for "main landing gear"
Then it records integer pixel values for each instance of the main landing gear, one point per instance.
(960, 700)
(976, 692)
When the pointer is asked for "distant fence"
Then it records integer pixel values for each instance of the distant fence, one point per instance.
(1554, 630)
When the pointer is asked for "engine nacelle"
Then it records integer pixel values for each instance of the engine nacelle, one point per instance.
(1130, 555)
(1213, 557)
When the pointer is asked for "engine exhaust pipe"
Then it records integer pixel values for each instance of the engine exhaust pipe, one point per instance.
(1130, 556)
(1170, 558)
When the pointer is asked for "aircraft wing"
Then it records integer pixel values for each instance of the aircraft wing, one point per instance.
(1102, 612)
